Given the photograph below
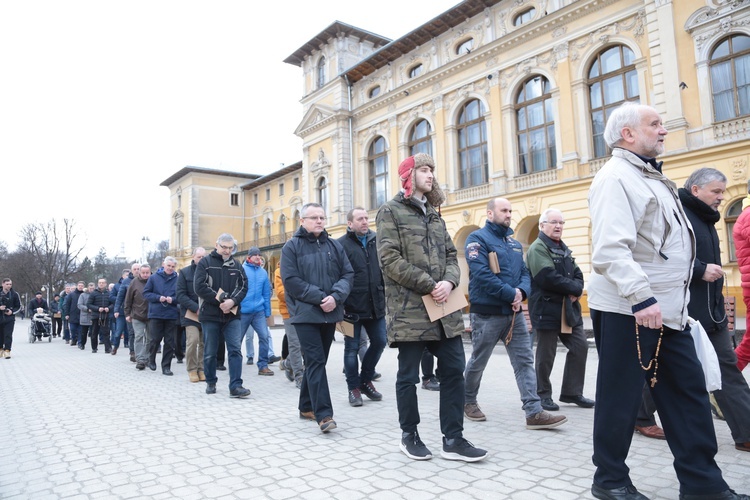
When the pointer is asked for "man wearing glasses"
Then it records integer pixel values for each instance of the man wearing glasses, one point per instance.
(555, 312)
(317, 280)
(221, 285)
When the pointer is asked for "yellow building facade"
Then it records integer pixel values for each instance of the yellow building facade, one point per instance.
(510, 97)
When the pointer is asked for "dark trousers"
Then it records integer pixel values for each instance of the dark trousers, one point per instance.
(451, 362)
(56, 326)
(734, 397)
(6, 334)
(83, 335)
(646, 409)
(179, 342)
(100, 330)
(221, 349)
(428, 364)
(315, 339)
(574, 373)
(680, 396)
(161, 330)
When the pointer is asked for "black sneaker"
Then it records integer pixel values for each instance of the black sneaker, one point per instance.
(369, 390)
(140, 366)
(221, 368)
(431, 384)
(355, 398)
(413, 447)
(249, 361)
(376, 376)
(210, 388)
(273, 359)
(239, 392)
(461, 449)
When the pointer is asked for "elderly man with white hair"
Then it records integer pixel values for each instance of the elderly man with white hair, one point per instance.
(643, 248)
(555, 312)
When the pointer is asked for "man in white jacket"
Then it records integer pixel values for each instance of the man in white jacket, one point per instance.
(642, 259)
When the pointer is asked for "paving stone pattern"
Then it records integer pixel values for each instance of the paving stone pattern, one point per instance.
(78, 425)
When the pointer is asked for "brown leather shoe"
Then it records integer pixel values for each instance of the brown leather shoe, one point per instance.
(267, 372)
(742, 446)
(307, 415)
(651, 431)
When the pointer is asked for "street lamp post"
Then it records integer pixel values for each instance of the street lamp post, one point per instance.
(45, 288)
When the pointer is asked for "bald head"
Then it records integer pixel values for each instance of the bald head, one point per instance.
(499, 211)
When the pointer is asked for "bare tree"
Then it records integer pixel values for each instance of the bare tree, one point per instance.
(156, 257)
(53, 251)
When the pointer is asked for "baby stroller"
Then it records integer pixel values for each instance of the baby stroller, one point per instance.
(41, 326)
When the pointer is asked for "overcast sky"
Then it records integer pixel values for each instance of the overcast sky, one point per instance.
(101, 101)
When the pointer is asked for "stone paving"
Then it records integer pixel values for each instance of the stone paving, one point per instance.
(78, 425)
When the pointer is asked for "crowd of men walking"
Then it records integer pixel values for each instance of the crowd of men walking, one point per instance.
(655, 259)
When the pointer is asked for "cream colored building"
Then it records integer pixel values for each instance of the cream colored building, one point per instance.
(510, 97)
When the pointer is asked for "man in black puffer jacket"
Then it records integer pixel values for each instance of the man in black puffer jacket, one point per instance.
(701, 197)
(317, 280)
(99, 305)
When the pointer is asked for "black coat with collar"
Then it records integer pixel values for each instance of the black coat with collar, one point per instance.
(367, 299)
(706, 300)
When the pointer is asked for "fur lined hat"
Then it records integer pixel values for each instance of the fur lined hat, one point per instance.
(407, 175)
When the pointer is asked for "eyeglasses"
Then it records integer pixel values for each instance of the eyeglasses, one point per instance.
(554, 222)
(223, 247)
(321, 218)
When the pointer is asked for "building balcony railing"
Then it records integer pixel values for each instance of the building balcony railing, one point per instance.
(473, 193)
(531, 181)
(268, 242)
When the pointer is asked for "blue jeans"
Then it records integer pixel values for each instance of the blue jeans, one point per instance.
(233, 338)
(375, 329)
(487, 331)
(120, 329)
(75, 332)
(256, 321)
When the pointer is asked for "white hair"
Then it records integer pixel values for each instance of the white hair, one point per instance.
(628, 114)
(543, 217)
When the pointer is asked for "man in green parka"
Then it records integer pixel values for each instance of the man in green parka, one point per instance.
(418, 259)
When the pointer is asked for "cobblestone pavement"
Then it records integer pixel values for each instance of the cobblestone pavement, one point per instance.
(85, 426)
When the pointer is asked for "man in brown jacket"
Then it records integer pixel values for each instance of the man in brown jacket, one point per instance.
(136, 312)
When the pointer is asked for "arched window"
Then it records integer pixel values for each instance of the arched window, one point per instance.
(321, 72)
(322, 193)
(730, 217)
(472, 145)
(730, 77)
(524, 17)
(612, 80)
(377, 159)
(295, 220)
(268, 230)
(535, 126)
(415, 71)
(256, 232)
(465, 47)
(419, 138)
(282, 227)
